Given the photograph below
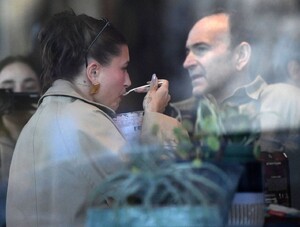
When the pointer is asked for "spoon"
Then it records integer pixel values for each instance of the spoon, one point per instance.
(141, 89)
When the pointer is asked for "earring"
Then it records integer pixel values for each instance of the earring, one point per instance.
(95, 88)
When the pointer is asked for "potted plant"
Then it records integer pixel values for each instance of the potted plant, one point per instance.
(161, 187)
(155, 190)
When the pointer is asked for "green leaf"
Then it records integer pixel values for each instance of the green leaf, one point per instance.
(135, 170)
(213, 143)
(197, 163)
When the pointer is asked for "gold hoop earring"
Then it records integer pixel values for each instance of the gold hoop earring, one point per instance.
(95, 88)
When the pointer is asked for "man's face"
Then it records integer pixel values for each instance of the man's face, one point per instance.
(209, 58)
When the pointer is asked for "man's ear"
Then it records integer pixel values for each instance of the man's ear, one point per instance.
(92, 71)
(242, 55)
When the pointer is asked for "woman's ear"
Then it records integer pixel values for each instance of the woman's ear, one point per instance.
(93, 71)
(242, 55)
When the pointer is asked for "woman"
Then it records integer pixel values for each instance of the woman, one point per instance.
(71, 143)
(17, 75)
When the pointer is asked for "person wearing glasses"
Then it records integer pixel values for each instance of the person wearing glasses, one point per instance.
(17, 76)
(72, 143)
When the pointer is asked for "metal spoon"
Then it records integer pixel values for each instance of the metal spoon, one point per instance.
(141, 89)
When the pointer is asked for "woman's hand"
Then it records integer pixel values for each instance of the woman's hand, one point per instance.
(157, 98)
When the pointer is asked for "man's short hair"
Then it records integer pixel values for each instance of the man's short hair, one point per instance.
(239, 27)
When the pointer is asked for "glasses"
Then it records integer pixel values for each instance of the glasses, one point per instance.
(95, 39)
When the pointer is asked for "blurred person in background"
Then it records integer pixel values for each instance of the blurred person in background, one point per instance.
(17, 76)
(72, 143)
(286, 52)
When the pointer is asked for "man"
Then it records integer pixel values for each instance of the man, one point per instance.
(219, 61)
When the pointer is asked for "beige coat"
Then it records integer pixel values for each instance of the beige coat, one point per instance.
(67, 148)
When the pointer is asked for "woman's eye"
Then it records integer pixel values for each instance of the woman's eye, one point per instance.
(30, 86)
(9, 86)
(30, 89)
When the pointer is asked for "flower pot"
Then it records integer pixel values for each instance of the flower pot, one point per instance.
(213, 211)
(158, 216)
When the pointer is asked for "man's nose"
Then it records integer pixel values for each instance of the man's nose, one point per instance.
(189, 61)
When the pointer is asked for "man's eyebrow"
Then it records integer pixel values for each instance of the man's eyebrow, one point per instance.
(194, 45)
(200, 44)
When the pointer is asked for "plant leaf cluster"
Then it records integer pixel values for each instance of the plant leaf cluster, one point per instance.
(215, 129)
(153, 178)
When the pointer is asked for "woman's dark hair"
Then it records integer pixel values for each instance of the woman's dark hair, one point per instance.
(65, 43)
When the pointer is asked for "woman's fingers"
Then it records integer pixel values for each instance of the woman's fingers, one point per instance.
(157, 97)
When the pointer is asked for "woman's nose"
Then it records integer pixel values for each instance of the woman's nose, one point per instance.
(17, 88)
(127, 80)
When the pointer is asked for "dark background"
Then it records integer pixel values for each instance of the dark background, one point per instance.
(156, 31)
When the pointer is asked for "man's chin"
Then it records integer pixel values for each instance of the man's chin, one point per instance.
(198, 92)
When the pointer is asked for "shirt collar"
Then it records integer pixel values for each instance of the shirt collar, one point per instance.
(246, 92)
(65, 88)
